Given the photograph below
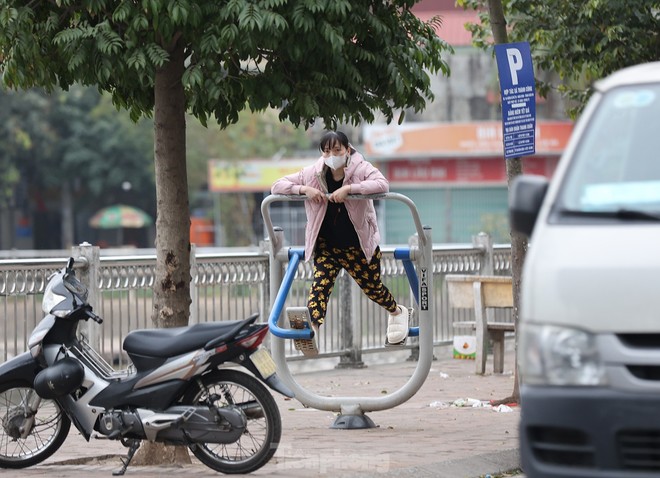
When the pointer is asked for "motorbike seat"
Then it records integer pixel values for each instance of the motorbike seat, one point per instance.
(168, 342)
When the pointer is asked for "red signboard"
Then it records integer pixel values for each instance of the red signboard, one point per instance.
(464, 170)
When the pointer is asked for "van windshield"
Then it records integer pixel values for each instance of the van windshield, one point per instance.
(617, 164)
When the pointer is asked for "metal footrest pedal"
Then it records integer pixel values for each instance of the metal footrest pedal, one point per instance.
(300, 319)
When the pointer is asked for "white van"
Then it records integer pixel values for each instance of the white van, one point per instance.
(589, 323)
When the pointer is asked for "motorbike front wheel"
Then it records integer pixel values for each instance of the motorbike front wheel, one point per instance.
(261, 437)
(28, 436)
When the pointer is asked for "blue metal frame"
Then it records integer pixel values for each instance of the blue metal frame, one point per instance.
(295, 255)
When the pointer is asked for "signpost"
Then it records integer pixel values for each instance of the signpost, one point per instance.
(516, 72)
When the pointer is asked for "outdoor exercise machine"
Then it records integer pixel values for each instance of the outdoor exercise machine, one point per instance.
(420, 252)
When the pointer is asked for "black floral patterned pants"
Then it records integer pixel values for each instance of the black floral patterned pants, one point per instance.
(328, 262)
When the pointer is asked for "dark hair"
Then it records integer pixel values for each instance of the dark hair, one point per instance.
(332, 138)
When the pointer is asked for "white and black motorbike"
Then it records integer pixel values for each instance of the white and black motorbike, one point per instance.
(177, 390)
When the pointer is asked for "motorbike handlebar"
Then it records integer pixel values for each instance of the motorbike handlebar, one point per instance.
(93, 316)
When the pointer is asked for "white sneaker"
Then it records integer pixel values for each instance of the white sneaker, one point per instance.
(397, 327)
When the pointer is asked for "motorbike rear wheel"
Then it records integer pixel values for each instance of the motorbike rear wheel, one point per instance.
(46, 433)
(261, 437)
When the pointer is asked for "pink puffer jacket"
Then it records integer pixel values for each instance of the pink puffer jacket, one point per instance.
(363, 177)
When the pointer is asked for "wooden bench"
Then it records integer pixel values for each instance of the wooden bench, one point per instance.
(480, 293)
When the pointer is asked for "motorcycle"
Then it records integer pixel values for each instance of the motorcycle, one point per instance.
(178, 390)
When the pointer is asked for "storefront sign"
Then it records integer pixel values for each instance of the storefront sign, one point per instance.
(462, 170)
(250, 175)
(483, 138)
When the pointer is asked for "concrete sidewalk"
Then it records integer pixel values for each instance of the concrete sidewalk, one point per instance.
(427, 436)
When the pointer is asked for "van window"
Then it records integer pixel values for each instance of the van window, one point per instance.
(617, 164)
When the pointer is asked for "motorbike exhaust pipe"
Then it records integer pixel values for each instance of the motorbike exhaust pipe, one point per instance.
(224, 424)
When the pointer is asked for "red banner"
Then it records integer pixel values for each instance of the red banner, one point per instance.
(465, 170)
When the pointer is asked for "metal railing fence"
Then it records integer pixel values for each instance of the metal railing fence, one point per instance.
(231, 286)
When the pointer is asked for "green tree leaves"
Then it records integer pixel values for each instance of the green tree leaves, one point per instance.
(338, 60)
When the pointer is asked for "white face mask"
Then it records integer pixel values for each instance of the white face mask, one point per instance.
(335, 162)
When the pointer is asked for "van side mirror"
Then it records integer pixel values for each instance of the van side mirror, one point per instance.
(525, 199)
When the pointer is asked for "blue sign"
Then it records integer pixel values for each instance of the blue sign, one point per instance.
(516, 72)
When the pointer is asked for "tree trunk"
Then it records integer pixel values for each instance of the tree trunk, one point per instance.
(518, 241)
(172, 284)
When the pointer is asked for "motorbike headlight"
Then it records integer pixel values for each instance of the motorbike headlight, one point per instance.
(552, 355)
(52, 300)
